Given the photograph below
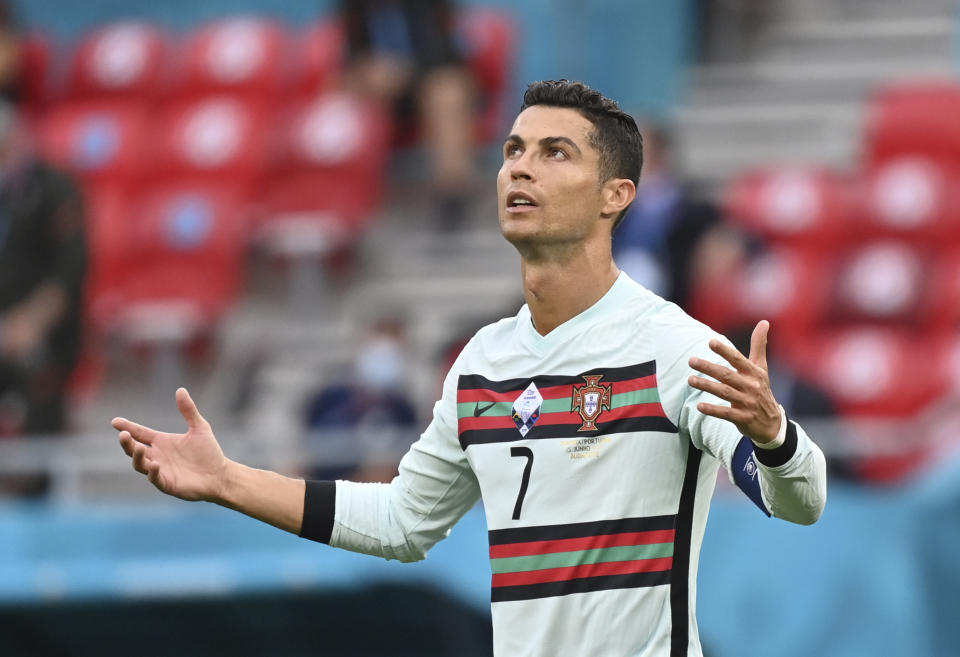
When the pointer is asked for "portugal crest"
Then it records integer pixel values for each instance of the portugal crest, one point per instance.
(590, 399)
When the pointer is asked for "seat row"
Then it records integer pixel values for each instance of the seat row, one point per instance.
(859, 271)
(249, 56)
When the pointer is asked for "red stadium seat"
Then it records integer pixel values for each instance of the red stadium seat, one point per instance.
(330, 176)
(874, 372)
(103, 143)
(813, 207)
(187, 244)
(243, 55)
(884, 282)
(788, 288)
(321, 53)
(914, 118)
(217, 140)
(488, 38)
(126, 60)
(912, 198)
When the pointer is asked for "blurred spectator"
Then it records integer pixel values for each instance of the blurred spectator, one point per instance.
(361, 425)
(670, 238)
(43, 262)
(10, 47)
(403, 54)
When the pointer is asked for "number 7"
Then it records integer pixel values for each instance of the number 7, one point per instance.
(527, 452)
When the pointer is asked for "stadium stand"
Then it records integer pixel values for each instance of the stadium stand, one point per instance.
(883, 285)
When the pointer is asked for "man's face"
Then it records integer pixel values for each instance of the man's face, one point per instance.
(549, 189)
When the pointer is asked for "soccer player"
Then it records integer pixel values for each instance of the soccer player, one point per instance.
(580, 423)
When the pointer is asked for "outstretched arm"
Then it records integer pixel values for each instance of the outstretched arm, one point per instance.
(192, 466)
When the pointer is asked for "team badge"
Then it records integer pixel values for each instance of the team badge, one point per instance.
(590, 399)
(526, 409)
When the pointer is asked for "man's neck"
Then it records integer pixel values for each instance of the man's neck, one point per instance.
(557, 291)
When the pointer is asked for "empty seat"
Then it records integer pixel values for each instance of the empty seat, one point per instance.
(799, 205)
(126, 60)
(103, 142)
(883, 282)
(184, 246)
(913, 198)
(243, 55)
(789, 288)
(330, 173)
(217, 139)
(874, 372)
(916, 117)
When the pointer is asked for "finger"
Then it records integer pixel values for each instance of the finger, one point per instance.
(720, 373)
(126, 442)
(140, 458)
(188, 409)
(138, 431)
(721, 390)
(732, 356)
(758, 344)
(723, 412)
(153, 473)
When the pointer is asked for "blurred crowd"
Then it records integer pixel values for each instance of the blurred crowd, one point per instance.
(138, 168)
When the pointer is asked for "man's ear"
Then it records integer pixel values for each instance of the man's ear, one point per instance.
(617, 194)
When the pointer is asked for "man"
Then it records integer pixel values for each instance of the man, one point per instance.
(43, 260)
(577, 421)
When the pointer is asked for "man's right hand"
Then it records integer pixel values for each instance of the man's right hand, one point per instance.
(188, 465)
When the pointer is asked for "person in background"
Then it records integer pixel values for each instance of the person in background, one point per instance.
(403, 53)
(43, 262)
(362, 423)
(671, 237)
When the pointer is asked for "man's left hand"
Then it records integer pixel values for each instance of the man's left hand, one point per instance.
(753, 408)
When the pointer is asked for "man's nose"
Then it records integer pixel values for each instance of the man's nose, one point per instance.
(521, 168)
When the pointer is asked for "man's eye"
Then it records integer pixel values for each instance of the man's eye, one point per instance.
(557, 154)
(511, 149)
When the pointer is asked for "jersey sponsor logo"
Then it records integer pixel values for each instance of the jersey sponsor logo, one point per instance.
(555, 560)
(602, 401)
(590, 399)
(478, 411)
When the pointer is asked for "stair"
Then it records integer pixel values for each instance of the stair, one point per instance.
(800, 97)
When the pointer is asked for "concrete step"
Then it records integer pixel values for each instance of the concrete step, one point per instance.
(795, 82)
(801, 11)
(860, 41)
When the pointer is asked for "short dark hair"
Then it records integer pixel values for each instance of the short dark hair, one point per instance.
(615, 134)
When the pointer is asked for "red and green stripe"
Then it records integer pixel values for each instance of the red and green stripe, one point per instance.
(634, 406)
(547, 561)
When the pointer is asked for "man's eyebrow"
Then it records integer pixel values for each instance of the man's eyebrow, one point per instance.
(546, 141)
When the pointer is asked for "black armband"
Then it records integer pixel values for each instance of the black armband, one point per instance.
(319, 506)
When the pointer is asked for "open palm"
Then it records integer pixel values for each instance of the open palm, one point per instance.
(187, 465)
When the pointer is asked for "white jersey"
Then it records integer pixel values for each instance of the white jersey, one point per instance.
(596, 472)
